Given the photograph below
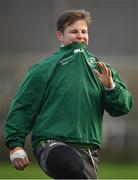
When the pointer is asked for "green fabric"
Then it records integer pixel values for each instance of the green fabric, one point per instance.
(61, 98)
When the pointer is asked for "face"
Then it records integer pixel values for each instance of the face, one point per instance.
(77, 32)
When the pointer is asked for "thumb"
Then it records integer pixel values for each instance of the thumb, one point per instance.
(96, 73)
(26, 159)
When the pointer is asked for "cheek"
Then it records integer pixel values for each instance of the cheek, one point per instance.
(87, 38)
(70, 38)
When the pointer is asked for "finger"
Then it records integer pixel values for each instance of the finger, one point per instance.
(109, 73)
(105, 69)
(19, 163)
(96, 73)
(101, 66)
(104, 66)
(18, 166)
(26, 160)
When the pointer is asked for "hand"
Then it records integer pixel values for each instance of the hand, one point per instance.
(105, 76)
(19, 158)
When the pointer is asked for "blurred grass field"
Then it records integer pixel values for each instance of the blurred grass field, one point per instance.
(106, 171)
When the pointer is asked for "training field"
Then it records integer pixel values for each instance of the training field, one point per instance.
(106, 171)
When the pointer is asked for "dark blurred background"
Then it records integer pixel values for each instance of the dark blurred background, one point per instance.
(27, 34)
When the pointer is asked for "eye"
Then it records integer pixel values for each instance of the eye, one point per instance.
(74, 31)
(84, 31)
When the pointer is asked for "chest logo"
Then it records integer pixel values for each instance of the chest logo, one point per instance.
(65, 60)
(91, 62)
(78, 50)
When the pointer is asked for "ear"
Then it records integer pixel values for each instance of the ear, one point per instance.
(59, 36)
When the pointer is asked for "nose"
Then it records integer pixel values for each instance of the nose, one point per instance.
(79, 34)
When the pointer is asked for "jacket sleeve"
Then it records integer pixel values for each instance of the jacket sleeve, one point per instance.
(24, 109)
(118, 101)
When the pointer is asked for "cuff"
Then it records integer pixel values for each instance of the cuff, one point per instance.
(111, 88)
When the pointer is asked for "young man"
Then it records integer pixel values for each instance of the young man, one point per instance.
(62, 101)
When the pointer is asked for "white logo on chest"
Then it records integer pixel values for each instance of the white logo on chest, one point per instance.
(78, 50)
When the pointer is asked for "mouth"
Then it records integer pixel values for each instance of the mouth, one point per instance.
(80, 41)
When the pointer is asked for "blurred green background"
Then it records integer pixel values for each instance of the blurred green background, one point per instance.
(106, 171)
(27, 34)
